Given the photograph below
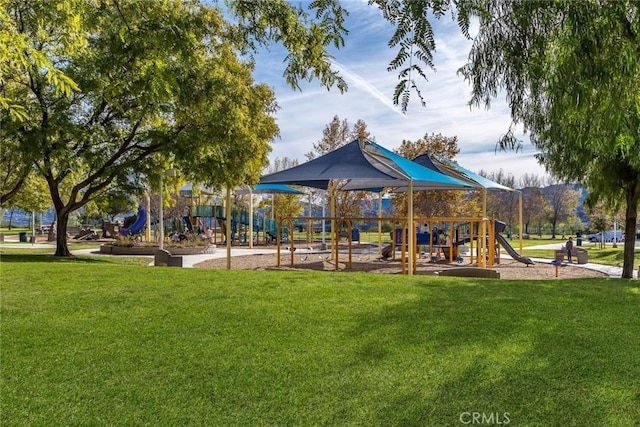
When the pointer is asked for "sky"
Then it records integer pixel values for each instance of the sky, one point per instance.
(363, 61)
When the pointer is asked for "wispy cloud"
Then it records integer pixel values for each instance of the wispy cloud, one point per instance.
(363, 63)
(355, 79)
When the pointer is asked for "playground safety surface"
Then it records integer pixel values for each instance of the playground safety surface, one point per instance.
(321, 261)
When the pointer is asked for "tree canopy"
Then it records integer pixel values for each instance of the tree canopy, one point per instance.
(434, 203)
(569, 70)
(109, 94)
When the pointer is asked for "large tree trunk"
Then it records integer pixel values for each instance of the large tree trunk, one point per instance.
(631, 218)
(61, 238)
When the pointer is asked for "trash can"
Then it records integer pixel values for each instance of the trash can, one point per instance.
(579, 241)
(23, 237)
(355, 235)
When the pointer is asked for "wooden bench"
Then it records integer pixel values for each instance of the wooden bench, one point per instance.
(163, 258)
(470, 272)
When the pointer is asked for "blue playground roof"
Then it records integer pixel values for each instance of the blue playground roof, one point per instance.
(275, 189)
(453, 169)
(366, 166)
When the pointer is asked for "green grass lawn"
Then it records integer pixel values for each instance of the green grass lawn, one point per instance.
(91, 342)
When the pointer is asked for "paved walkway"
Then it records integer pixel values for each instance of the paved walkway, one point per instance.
(188, 261)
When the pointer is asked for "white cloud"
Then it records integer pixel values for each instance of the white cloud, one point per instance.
(363, 63)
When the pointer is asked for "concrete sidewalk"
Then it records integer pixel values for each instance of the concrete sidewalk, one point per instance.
(611, 271)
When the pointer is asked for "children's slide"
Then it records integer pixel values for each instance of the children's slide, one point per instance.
(138, 225)
(512, 252)
(187, 223)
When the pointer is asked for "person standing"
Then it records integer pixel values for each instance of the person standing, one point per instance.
(569, 247)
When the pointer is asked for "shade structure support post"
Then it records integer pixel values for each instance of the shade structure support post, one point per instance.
(310, 223)
(278, 228)
(451, 241)
(334, 234)
(411, 228)
(520, 219)
(492, 242)
(380, 223)
(349, 242)
(482, 236)
(161, 218)
(228, 226)
(404, 231)
(472, 226)
(292, 248)
(250, 218)
(335, 237)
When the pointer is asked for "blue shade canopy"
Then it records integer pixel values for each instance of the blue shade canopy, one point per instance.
(346, 162)
(365, 165)
(453, 169)
(276, 189)
(270, 189)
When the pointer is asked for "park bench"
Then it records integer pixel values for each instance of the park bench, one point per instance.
(581, 255)
(163, 258)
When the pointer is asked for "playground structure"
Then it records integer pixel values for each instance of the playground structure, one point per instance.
(208, 220)
(205, 221)
(437, 240)
(212, 217)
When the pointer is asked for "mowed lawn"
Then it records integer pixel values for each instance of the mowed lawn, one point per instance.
(88, 342)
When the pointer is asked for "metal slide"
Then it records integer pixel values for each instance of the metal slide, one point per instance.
(512, 252)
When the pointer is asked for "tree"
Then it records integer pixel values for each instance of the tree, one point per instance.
(534, 206)
(110, 205)
(569, 71)
(335, 135)
(577, 95)
(562, 201)
(15, 167)
(502, 205)
(285, 205)
(17, 53)
(530, 180)
(152, 84)
(33, 196)
(434, 203)
(600, 221)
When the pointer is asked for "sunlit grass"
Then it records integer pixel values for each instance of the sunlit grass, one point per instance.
(88, 342)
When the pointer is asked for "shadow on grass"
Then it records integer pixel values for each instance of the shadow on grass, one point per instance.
(49, 258)
(541, 356)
